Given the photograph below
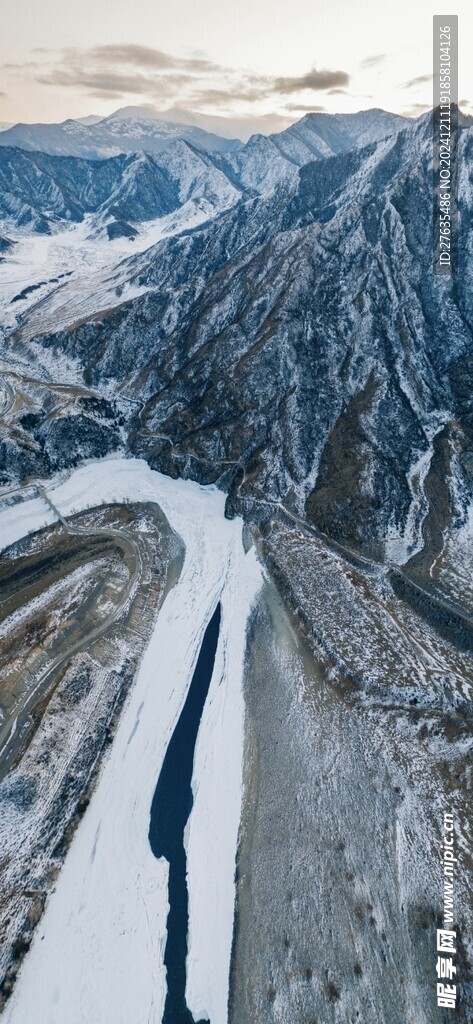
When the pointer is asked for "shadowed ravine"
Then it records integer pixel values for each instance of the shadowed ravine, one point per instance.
(170, 809)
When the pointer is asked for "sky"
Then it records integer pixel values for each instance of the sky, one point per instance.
(267, 60)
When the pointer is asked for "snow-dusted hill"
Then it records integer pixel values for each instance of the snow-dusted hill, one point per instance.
(125, 131)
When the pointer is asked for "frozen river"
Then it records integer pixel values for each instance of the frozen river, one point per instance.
(98, 953)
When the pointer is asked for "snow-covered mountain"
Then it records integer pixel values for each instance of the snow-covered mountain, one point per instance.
(267, 159)
(226, 127)
(128, 130)
(38, 190)
(319, 293)
(326, 134)
(282, 335)
(139, 129)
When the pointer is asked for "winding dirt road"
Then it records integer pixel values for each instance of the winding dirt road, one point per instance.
(12, 731)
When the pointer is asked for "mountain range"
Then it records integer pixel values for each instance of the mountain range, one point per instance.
(141, 129)
(263, 317)
(165, 169)
(128, 130)
(38, 192)
(297, 340)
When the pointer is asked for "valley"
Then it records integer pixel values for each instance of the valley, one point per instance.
(230, 382)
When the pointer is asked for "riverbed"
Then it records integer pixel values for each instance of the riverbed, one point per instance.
(98, 953)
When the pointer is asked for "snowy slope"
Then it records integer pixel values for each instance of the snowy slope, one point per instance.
(320, 135)
(50, 281)
(121, 132)
(266, 160)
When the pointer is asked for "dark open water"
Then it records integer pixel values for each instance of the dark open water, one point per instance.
(170, 809)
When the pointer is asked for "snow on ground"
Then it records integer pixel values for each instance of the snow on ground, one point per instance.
(404, 542)
(22, 518)
(97, 955)
(78, 270)
(213, 824)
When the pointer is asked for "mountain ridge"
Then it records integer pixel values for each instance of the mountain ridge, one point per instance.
(295, 327)
(129, 129)
(32, 189)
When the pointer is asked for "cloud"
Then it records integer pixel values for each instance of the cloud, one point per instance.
(304, 108)
(416, 110)
(257, 88)
(420, 80)
(314, 80)
(374, 61)
(112, 84)
(134, 55)
(219, 97)
(116, 71)
(103, 81)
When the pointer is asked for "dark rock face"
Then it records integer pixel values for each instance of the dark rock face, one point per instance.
(41, 445)
(120, 229)
(6, 245)
(36, 188)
